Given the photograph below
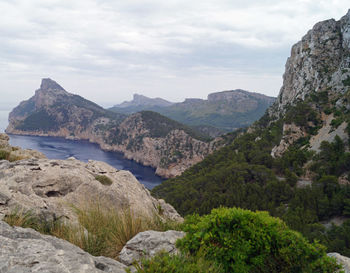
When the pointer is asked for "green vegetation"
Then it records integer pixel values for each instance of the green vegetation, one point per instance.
(160, 126)
(237, 240)
(243, 174)
(4, 154)
(167, 263)
(346, 82)
(223, 114)
(38, 121)
(104, 180)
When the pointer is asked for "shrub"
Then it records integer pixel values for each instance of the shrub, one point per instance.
(104, 180)
(167, 263)
(245, 241)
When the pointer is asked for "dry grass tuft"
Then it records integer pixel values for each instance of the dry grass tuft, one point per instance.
(102, 231)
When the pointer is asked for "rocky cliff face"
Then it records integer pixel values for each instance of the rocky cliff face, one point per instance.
(319, 62)
(316, 83)
(156, 141)
(167, 145)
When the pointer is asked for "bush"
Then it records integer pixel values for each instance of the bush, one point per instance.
(245, 241)
(167, 263)
(104, 180)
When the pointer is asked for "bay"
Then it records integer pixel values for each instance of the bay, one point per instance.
(60, 148)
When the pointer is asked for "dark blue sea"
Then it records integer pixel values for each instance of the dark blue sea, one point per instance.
(60, 148)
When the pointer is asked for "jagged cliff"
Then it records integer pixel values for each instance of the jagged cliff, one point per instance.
(146, 137)
(319, 62)
(316, 84)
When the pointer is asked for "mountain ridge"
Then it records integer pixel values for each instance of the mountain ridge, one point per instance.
(52, 111)
(225, 110)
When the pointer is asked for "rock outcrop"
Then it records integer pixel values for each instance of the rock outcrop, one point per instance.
(319, 62)
(148, 243)
(317, 75)
(147, 137)
(48, 188)
(11, 153)
(26, 251)
(344, 261)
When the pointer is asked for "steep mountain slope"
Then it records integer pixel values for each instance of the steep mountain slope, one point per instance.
(52, 109)
(226, 111)
(295, 161)
(146, 137)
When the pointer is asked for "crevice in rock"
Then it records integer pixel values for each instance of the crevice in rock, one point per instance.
(53, 194)
(101, 266)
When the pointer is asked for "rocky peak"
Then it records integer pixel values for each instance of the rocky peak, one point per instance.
(48, 84)
(319, 62)
(141, 100)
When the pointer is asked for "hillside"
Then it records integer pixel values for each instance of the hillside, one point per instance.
(147, 137)
(225, 111)
(295, 161)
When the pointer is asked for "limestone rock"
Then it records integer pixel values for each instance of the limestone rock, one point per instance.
(291, 133)
(25, 251)
(344, 261)
(49, 188)
(148, 243)
(319, 62)
(327, 133)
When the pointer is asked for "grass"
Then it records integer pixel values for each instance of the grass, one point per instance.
(104, 180)
(4, 154)
(102, 231)
(7, 155)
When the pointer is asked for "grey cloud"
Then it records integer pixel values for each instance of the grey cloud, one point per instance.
(153, 45)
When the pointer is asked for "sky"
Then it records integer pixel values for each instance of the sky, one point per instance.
(106, 50)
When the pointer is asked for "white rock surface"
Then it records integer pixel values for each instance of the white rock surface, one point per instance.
(148, 243)
(344, 261)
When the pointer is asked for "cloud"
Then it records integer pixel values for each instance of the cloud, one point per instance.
(158, 47)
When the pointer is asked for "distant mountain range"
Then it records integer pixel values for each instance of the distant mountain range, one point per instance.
(221, 112)
(146, 137)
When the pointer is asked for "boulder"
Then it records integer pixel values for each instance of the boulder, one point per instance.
(148, 243)
(49, 188)
(344, 261)
(24, 250)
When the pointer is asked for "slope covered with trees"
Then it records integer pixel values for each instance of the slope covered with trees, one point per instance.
(295, 161)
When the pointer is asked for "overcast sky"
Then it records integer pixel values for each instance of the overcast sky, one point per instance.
(106, 50)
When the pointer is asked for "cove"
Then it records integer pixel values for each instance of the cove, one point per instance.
(60, 148)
